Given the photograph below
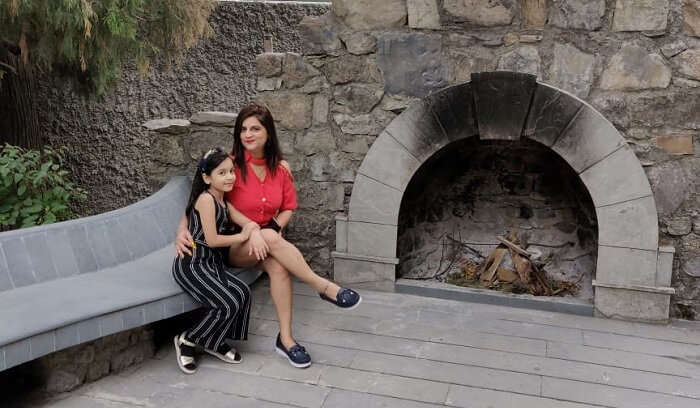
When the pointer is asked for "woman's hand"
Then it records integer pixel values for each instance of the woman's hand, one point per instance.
(257, 246)
(248, 229)
(183, 243)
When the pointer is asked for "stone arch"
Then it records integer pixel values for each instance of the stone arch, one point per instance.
(630, 279)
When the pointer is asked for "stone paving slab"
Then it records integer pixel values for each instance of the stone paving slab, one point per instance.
(400, 350)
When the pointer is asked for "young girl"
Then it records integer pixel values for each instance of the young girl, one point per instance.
(203, 275)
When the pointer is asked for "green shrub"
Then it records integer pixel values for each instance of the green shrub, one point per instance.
(34, 188)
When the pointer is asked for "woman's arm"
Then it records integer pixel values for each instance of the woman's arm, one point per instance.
(207, 211)
(284, 217)
(183, 238)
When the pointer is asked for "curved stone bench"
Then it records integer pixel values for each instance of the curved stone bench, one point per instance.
(71, 282)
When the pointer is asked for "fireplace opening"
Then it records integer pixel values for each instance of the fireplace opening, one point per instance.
(470, 193)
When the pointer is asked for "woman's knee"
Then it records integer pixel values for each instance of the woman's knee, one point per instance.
(271, 237)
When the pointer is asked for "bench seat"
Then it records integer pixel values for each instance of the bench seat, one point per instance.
(45, 316)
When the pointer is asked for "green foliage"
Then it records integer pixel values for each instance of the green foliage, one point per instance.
(34, 188)
(90, 40)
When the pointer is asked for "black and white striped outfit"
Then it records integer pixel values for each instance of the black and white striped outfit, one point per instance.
(205, 277)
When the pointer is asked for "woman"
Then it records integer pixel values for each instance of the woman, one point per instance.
(263, 193)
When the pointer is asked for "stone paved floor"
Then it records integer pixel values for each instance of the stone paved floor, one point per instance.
(408, 351)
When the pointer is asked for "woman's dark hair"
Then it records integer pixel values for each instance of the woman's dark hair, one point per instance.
(272, 152)
(208, 162)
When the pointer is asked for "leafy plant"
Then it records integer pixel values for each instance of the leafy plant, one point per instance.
(34, 188)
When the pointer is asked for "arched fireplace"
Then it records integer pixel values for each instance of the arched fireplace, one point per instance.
(632, 274)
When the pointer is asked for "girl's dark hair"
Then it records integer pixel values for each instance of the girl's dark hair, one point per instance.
(208, 162)
(272, 152)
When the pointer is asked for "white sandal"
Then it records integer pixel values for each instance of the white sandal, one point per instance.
(184, 350)
(231, 356)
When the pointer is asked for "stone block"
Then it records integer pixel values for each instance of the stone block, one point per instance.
(42, 344)
(632, 305)
(351, 270)
(550, 113)
(524, 59)
(357, 98)
(679, 226)
(419, 131)
(173, 307)
(396, 172)
(320, 110)
(482, 13)
(341, 233)
(676, 143)
(297, 71)
(214, 118)
(18, 263)
(134, 242)
(88, 330)
(454, 109)
(572, 69)
(66, 336)
(370, 14)
(664, 266)
(155, 312)
(292, 111)
(42, 265)
(111, 323)
(319, 35)
(502, 100)
(634, 68)
(587, 140)
(640, 15)
(3, 364)
(172, 126)
(269, 64)
(77, 236)
(133, 317)
(618, 177)
(533, 13)
(423, 14)
(359, 43)
(673, 48)
(268, 84)
(5, 282)
(373, 201)
(363, 124)
(691, 17)
(17, 353)
(100, 244)
(372, 239)
(314, 141)
(581, 14)
(351, 68)
(464, 61)
(631, 224)
(411, 63)
(688, 63)
(626, 266)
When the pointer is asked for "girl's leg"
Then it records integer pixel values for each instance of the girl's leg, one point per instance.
(292, 260)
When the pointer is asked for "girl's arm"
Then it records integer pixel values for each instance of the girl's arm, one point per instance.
(183, 238)
(207, 211)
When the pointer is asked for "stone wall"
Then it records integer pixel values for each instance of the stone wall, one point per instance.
(110, 151)
(637, 62)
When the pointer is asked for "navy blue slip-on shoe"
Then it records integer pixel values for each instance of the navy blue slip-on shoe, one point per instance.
(347, 299)
(297, 355)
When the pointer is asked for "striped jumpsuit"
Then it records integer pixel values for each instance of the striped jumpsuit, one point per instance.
(205, 277)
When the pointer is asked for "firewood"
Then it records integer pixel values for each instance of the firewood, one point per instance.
(522, 266)
(490, 266)
(506, 275)
(514, 247)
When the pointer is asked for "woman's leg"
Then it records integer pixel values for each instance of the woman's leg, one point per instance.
(292, 260)
(280, 288)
